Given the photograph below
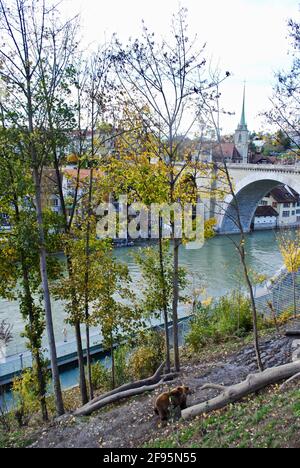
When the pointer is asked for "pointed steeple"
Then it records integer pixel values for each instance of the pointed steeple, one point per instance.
(243, 124)
(241, 136)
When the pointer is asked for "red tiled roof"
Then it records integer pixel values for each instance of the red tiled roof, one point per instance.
(84, 173)
(72, 173)
(227, 150)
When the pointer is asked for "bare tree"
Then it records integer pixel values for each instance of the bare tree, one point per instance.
(97, 90)
(57, 77)
(285, 101)
(213, 112)
(163, 76)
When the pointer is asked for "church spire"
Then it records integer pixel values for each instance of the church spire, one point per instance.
(241, 137)
(243, 117)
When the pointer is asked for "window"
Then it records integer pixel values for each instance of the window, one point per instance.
(293, 213)
(298, 212)
(275, 204)
(263, 203)
(54, 202)
(286, 205)
(285, 214)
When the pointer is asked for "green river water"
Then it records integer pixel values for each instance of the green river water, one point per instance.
(217, 264)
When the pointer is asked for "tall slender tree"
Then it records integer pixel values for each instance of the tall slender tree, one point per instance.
(24, 30)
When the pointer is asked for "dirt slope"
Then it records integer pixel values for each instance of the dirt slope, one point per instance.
(133, 423)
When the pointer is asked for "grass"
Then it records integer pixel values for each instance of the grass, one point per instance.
(20, 438)
(268, 420)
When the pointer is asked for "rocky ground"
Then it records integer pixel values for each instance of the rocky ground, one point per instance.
(133, 423)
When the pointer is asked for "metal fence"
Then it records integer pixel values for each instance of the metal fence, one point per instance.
(280, 292)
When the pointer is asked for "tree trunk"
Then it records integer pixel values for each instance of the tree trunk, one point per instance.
(89, 361)
(87, 273)
(48, 310)
(254, 313)
(165, 300)
(295, 294)
(29, 309)
(242, 254)
(42, 248)
(253, 383)
(113, 370)
(41, 385)
(82, 381)
(175, 306)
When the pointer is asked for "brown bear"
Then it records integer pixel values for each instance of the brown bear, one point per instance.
(175, 399)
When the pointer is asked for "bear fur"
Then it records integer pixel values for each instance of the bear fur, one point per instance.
(174, 399)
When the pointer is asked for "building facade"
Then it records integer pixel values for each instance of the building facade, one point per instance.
(285, 202)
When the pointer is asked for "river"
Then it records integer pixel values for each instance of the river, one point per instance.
(216, 266)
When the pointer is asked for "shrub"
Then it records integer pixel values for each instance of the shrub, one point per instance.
(26, 394)
(281, 319)
(148, 356)
(101, 376)
(101, 373)
(229, 316)
(121, 368)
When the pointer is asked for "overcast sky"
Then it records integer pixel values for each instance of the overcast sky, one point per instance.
(246, 37)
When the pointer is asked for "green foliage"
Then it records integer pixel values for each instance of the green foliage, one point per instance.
(26, 394)
(121, 368)
(113, 306)
(153, 283)
(101, 377)
(226, 317)
(148, 356)
(101, 373)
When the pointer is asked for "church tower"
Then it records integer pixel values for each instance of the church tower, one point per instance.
(241, 137)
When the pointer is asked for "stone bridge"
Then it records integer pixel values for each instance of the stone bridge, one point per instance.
(253, 182)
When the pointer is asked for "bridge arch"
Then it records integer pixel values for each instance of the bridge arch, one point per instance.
(249, 192)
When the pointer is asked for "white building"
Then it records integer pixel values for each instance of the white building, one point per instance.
(266, 217)
(286, 203)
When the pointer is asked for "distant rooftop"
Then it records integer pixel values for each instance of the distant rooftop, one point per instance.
(265, 211)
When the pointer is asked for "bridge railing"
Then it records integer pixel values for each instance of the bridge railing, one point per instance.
(293, 168)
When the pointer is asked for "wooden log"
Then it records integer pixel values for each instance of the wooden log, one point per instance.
(292, 379)
(253, 383)
(89, 409)
(295, 332)
(155, 378)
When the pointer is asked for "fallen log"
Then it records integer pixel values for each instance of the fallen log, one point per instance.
(253, 383)
(292, 379)
(89, 409)
(155, 378)
(292, 332)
